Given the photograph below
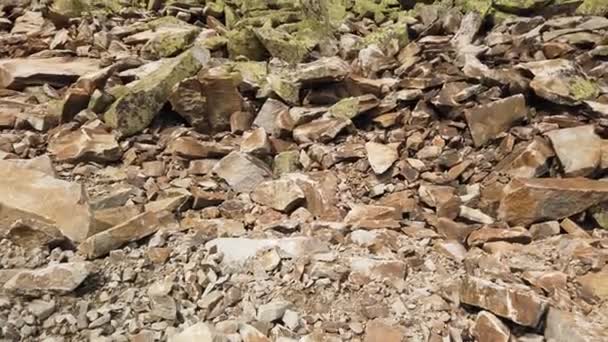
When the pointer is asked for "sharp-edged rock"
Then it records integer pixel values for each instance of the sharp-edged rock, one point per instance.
(57, 278)
(489, 120)
(241, 171)
(578, 149)
(281, 195)
(57, 71)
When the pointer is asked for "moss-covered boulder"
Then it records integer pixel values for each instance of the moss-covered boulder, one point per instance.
(593, 7)
(169, 42)
(244, 42)
(136, 108)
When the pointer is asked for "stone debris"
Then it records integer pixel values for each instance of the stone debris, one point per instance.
(316, 170)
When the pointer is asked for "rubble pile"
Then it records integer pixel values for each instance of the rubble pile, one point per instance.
(313, 170)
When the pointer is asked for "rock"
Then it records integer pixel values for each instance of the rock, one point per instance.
(163, 307)
(486, 234)
(514, 302)
(198, 332)
(326, 69)
(527, 201)
(378, 331)
(578, 149)
(562, 326)
(238, 250)
(595, 284)
(18, 73)
(251, 334)
(29, 23)
(381, 157)
(544, 230)
(135, 110)
(88, 143)
(527, 160)
(267, 117)
(320, 130)
(281, 195)
(272, 311)
(34, 195)
(241, 171)
(489, 328)
(373, 216)
(256, 142)
(31, 234)
(286, 162)
(475, 215)
(452, 249)
(192, 148)
(573, 229)
(489, 120)
(222, 97)
(41, 309)
(453, 230)
(320, 189)
(136, 228)
(169, 40)
(369, 269)
(56, 278)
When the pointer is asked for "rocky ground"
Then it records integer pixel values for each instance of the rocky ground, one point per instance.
(315, 170)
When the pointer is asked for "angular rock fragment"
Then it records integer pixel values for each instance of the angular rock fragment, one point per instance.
(368, 269)
(373, 217)
(562, 326)
(578, 149)
(256, 142)
(527, 201)
(37, 196)
(238, 250)
(135, 110)
(485, 235)
(242, 171)
(489, 120)
(527, 160)
(489, 328)
(377, 331)
(56, 71)
(514, 302)
(326, 69)
(320, 130)
(192, 148)
(57, 278)
(198, 332)
(136, 228)
(381, 157)
(268, 115)
(595, 284)
(89, 143)
(281, 195)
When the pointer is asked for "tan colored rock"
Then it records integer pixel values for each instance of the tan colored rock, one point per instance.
(326, 69)
(487, 234)
(250, 334)
(378, 331)
(34, 195)
(373, 216)
(320, 130)
(452, 249)
(514, 302)
(489, 120)
(29, 23)
(562, 326)
(222, 97)
(282, 195)
(239, 250)
(381, 157)
(88, 143)
(367, 269)
(321, 191)
(56, 278)
(578, 149)
(242, 171)
(595, 284)
(191, 148)
(527, 160)
(573, 229)
(199, 332)
(136, 228)
(268, 115)
(18, 73)
(526, 201)
(544, 230)
(488, 327)
(548, 281)
(256, 142)
(110, 217)
(453, 230)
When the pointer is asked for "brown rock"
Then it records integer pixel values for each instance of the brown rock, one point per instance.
(320, 130)
(373, 216)
(368, 269)
(242, 171)
(452, 249)
(544, 230)
(57, 71)
(517, 303)
(159, 255)
(256, 142)
(548, 281)
(137, 228)
(204, 199)
(321, 191)
(57, 278)
(488, 327)
(223, 97)
(88, 143)
(595, 284)
(202, 166)
(486, 234)
(381, 157)
(526, 201)
(268, 115)
(31, 234)
(282, 195)
(110, 217)
(443, 198)
(489, 120)
(377, 331)
(453, 230)
(564, 326)
(326, 69)
(527, 160)
(191, 148)
(578, 149)
(573, 229)
(31, 194)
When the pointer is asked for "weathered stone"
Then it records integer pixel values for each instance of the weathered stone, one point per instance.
(137, 228)
(453, 230)
(57, 71)
(378, 331)
(320, 189)
(573, 229)
(169, 40)
(527, 160)
(251, 334)
(373, 216)
(198, 332)
(256, 142)
(135, 110)
(238, 250)
(514, 302)
(272, 311)
(320, 130)
(192, 148)
(34, 195)
(110, 217)
(222, 97)
(268, 114)
(381, 157)
(282, 195)
(564, 326)
(595, 284)
(489, 328)
(489, 120)
(57, 278)
(578, 149)
(29, 23)
(326, 69)
(286, 162)
(241, 171)
(486, 234)
(368, 269)
(526, 201)
(32, 234)
(163, 307)
(452, 249)
(88, 143)
(544, 230)
(41, 309)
